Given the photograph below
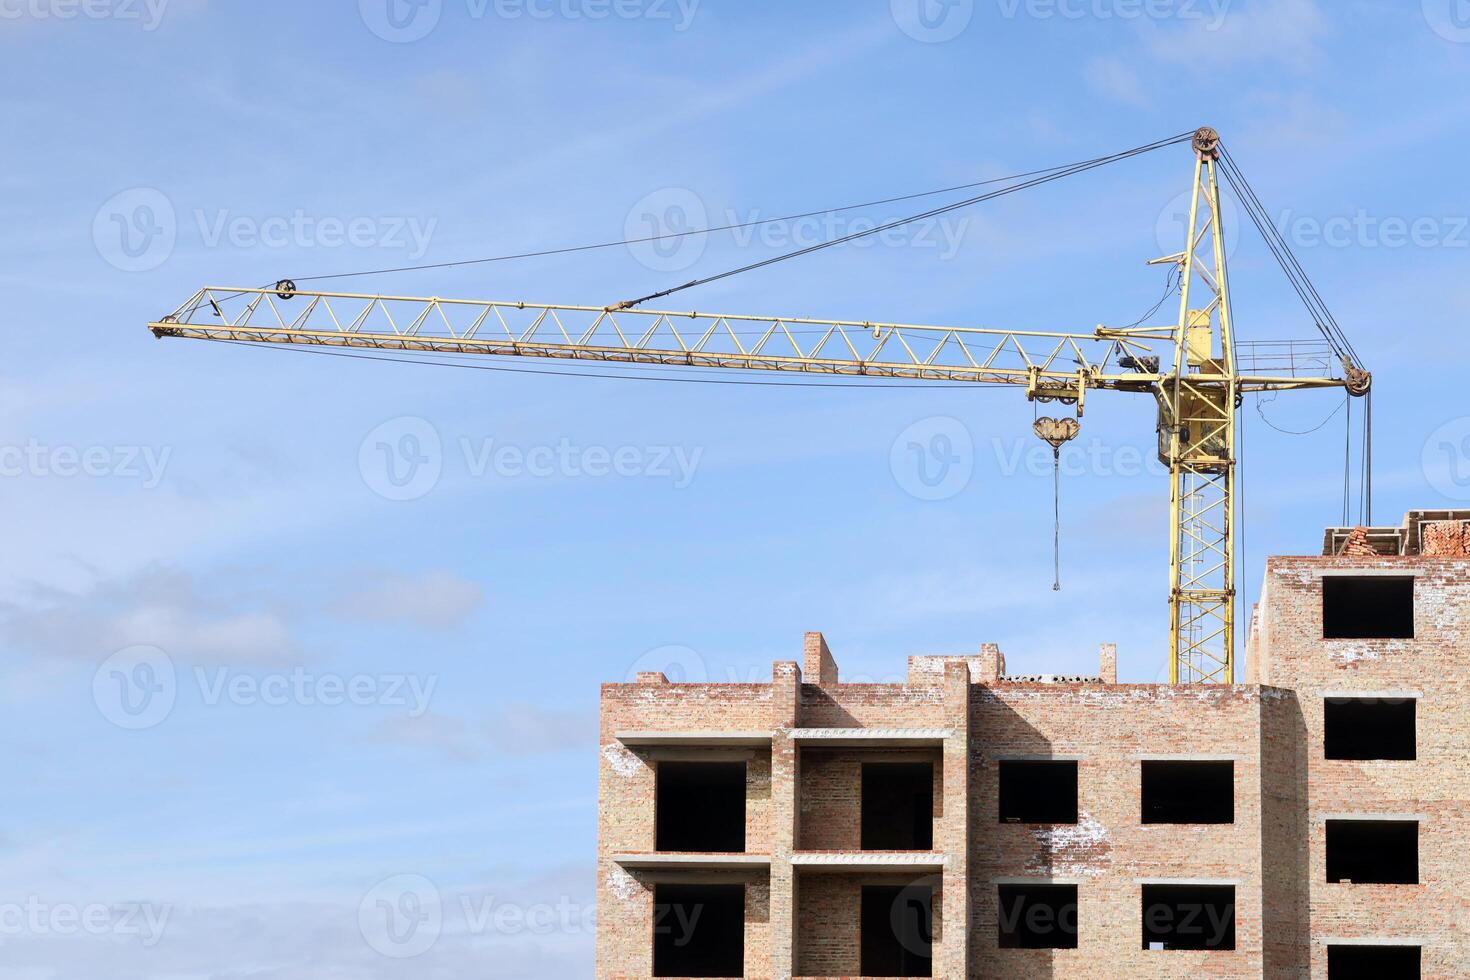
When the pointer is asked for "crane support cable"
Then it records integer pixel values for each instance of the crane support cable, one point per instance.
(1281, 250)
(888, 226)
(670, 236)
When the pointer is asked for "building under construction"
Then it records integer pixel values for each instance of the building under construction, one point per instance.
(1310, 822)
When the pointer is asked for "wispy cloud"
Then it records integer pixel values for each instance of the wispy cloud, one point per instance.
(518, 729)
(435, 600)
(1283, 33)
(160, 606)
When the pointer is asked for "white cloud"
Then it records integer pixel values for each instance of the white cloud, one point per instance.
(160, 606)
(434, 600)
(523, 729)
(1284, 32)
(549, 939)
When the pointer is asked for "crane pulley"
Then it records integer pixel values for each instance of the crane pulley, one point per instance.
(1189, 368)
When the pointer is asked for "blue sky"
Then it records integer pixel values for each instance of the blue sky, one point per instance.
(361, 698)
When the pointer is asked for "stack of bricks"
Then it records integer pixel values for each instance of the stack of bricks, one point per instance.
(1357, 545)
(1445, 539)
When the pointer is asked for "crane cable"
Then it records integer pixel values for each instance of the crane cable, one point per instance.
(668, 236)
(1325, 322)
(888, 226)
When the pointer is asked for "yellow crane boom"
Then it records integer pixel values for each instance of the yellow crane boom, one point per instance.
(1195, 377)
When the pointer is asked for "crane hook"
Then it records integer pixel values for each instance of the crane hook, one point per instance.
(1057, 433)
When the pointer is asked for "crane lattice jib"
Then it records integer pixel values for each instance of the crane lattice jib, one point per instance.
(1190, 368)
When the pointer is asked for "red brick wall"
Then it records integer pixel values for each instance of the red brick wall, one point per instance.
(1275, 850)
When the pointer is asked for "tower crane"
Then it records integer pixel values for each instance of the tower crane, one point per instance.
(1193, 369)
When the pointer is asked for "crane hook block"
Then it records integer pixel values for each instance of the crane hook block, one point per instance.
(1057, 432)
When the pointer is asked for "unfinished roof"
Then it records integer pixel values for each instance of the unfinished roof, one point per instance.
(1430, 533)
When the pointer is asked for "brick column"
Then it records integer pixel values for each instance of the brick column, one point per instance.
(785, 816)
(992, 663)
(952, 955)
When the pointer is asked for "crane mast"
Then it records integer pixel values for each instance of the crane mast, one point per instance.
(1197, 397)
